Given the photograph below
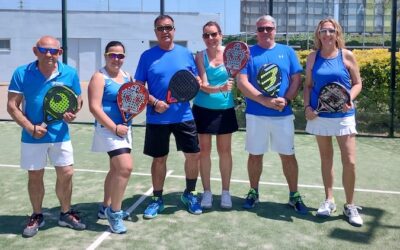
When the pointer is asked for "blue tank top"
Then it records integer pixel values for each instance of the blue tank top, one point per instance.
(216, 76)
(325, 71)
(109, 101)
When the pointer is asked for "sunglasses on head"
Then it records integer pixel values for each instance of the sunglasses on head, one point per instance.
(209, 35)
(45, 50)
(113, 55)
(164, 28)
(265, 28)
(326, 31)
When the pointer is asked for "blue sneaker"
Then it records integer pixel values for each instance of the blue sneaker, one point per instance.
(297, 203)
(36, 221)
(251, 199)
(115, 220)
(102, 215)
(156, 206)
(192, 202)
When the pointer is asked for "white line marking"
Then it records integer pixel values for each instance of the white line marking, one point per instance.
(107, 233)
(233, 181)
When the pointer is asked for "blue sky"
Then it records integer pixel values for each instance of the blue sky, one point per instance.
(229, 10)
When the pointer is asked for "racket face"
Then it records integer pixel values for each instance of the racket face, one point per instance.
(236, 55)
(57, 101)
(183, 87)
(132, 99)
(269, 78)
(332, 97)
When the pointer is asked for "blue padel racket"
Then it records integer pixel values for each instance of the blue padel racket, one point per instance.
(57, 101)
(182, 87)
(269, 78)
(332, 98)
(132, 99)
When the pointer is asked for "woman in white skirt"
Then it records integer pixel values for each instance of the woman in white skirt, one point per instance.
(111, 135)
(331, 62)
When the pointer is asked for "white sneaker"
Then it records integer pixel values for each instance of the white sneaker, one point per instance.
(351, 211)
(326, 208)
(206, 200)
(226, 201)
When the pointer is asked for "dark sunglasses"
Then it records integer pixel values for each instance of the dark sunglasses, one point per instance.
(164, 28)
(45, 50)
(209, 35)
(113, 55)
(326, 31)
(266, 28)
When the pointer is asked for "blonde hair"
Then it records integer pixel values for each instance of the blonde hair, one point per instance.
(339, 33)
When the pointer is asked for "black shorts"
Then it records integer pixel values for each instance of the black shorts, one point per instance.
(215, 121)
(156, 143)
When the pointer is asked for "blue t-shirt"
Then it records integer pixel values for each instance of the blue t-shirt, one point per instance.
(216, 76)
(325, 71)
(109, 101)
(286, 59)
(28, 81)
(156, 67)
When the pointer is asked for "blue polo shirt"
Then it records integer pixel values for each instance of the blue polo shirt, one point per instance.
(28, 81)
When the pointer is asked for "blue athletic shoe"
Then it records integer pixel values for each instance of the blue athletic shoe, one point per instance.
(297, 203)
(102, 215)
(156, 206)
(251, 199)
(115, 220)
(192, 202)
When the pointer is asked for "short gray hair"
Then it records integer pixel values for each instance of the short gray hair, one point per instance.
(267, 18)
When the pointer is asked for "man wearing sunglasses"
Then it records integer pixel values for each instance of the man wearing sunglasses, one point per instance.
(269, 119)
(28, 86)
(156, 67)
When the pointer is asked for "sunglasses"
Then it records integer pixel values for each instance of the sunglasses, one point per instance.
(45, 50)
(265, 28)
(209, 35)
(113, 55)
(326, 31)
(164, 28)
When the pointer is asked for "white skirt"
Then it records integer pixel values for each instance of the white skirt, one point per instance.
(332, 126)
(105, 141)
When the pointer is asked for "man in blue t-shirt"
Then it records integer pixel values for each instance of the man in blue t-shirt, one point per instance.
(269, 120)
(156, 67)
(28, 86)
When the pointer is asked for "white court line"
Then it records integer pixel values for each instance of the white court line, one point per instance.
(233, 181)
(105, 234)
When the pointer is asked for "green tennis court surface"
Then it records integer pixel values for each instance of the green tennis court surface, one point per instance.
(271, 225)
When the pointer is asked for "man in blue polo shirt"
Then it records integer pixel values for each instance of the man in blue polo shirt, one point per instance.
(26, 92)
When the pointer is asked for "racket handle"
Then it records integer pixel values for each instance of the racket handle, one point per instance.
(43, 125)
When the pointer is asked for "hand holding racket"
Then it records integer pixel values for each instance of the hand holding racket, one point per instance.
(332, 98)
(183, 87)
(132, 99)
(269, 79)
(235, 56)
(58, 101)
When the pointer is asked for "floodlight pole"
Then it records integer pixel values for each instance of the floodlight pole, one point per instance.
(393, 51)
(161, 7)
(271, 7)
(64, 30)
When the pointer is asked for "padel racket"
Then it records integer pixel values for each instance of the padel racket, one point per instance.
(57, 101)
(269, 78)
(236, 55)
(331, 98)
(183, 87)
(132, 99)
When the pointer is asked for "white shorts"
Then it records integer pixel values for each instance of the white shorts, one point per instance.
(332, 126)
(266, 133)
(105, 141)
(34, 155)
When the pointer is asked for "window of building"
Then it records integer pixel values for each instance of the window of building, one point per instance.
(5, 45)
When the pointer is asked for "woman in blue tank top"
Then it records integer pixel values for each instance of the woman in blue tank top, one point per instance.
(331, 62)
(214, 113)
(111, 135)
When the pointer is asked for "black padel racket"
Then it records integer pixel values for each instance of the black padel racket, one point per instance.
(57, 101)
(269, 78)
(132, 99)
(183, 87)
(332, 97)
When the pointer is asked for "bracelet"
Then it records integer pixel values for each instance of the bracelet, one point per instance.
(34, 131)
(116, 129)
(155, 102)
(287, 101)
(220, 90)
